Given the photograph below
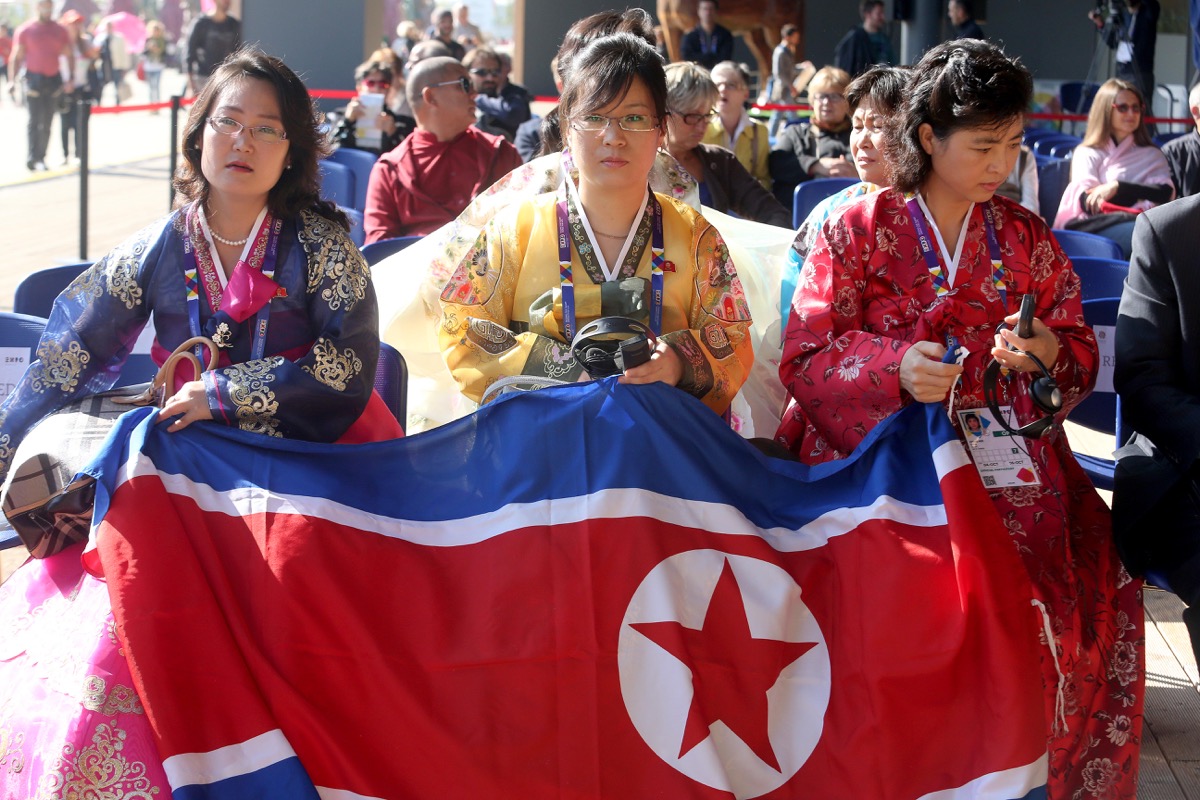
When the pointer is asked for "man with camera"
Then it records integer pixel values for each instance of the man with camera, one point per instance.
(1132, 32)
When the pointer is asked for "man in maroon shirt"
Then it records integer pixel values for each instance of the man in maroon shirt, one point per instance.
(37, 45)
(430, 177)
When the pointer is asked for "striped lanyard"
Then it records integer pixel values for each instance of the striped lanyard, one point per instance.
(567, 284)
(941, 283)
(266, 243)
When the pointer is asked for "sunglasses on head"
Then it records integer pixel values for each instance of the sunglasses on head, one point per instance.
(1125, 108)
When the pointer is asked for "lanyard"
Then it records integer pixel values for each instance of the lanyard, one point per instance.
(567, 284)
(265, 246)
(940, 283)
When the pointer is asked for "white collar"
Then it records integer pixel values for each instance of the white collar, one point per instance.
(951, 264)
(610, 273)
(212, 246)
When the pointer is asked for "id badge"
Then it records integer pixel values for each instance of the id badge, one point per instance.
(1002, 459)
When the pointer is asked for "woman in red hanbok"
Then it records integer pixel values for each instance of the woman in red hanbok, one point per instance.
(939, 262)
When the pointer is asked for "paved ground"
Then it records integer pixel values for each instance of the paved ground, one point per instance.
(39, 227)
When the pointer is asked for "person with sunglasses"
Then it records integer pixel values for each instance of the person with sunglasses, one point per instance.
(501, 106)
(541, 269)
(431, 176)
(1117, 171)
(723, 182)
(373, 80)
(251, 258)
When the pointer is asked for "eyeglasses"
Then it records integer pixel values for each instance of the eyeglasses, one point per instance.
(464, 83)
(1125, 108)
(486, 73)
(828, 97)
(261, 133)
(634, 123)
(377, 84)
(692, 119)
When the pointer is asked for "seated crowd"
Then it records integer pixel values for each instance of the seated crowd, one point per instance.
(902, 288)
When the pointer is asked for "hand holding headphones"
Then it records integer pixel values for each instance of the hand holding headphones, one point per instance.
(1027, 349)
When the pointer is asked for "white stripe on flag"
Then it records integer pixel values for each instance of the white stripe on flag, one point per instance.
(188, 769)
(1011, 784)
(949, 457)
(326, 793)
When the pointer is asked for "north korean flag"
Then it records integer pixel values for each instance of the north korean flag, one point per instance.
(593, 591)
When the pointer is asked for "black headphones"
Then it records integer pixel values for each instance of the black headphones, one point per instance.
(1043, 391)
(610, 345)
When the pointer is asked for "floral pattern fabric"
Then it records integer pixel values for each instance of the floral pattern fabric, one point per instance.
(865, 296)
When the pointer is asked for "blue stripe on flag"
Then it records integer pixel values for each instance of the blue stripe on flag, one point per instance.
(283, 780)
(624, 422)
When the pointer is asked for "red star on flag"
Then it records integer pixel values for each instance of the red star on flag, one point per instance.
(731, 670)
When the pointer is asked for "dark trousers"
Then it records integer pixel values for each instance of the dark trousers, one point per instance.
(68, 121)
(1171, 538)
(41, 97)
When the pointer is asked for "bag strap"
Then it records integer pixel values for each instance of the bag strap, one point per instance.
(156, 392)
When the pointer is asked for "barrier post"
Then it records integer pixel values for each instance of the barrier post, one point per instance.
(82, 120)
(176, 104)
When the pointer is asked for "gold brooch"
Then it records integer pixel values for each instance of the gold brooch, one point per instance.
(223, 338)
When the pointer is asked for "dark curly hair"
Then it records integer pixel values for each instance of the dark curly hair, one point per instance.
(961, 84)
(883, 85)
(298, 188)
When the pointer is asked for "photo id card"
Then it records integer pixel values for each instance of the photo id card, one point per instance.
(1002, 458)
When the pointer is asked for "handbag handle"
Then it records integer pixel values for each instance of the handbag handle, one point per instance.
(156, 393)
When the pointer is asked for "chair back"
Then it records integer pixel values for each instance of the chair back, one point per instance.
(358, 234)
(337, 183)
(1100, 411)
(1076, 97)
(1163, 138)
(1063, 149)
(809, 193)
(1078, 244)
(1053, 177)
(1042, 146)
(20, 332)
(378, 251)
(360, 163)
(37, 291)
(1033, 134)
(1100, 277)
(391, 381)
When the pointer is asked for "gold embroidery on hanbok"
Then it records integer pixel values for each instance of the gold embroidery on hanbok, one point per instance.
(57, 367)
(255, 402)
(98, 772)
(12, 754)
(121, 700)
(332, 368)
(333, 261)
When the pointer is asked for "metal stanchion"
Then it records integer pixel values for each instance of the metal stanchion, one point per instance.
(83, 117)
(176, 104)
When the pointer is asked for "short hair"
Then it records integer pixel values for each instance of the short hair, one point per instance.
(604, 71)
(882, 85)
(788, 30)
(1194, 95)
(829, 78)
(298, 188)
(374, 65)
(1099, 124)
(714, 2)
(441, 14)
(867, 6)
(426, 73)
(967, 7)
(690, 85)
(960, 84)
(479, 54)
(740, 69)
(430, 48)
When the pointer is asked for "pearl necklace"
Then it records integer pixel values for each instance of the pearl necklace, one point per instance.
(225, 241)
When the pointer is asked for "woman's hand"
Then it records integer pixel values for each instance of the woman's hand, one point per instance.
(1043, 344)
(386, 123)
(664, 365)
(924, 376)
(354, 109)
(191, 401)
(1099, 194)
(831, 167)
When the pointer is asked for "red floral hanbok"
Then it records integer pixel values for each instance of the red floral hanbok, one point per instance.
(865, 296)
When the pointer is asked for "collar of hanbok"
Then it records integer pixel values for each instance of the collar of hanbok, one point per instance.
(247, 288)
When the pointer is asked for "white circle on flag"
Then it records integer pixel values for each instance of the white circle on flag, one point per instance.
(657, 687)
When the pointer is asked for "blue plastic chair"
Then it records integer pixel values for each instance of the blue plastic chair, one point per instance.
(391, 381)
(809, 193)
(1043, 145)
(23, 331)
(1053, 177)
(1076, 96)
(1033, 134)
(37, 291)
(358, 234)
(1100, 411)
(1063, 149)
(1077, 244)
(378, 251)
(1100, 277)
(1163, 138)
(360, 163)
(337, 183)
